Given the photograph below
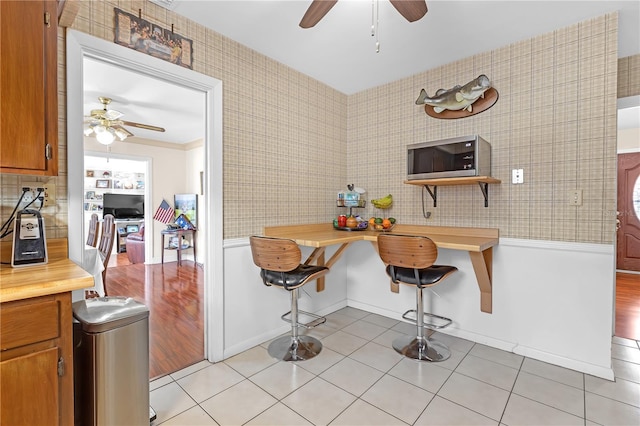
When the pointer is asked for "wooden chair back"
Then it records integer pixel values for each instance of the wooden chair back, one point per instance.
(105, 246)
(275, 254)
(407, 251)
(94, 231)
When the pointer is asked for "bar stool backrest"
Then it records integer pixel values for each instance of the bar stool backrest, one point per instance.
(107, 237)
(94, 231)
(275, 254)
(407, 251)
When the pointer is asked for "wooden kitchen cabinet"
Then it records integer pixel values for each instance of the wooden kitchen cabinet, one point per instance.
(28, 87)
(36, 361)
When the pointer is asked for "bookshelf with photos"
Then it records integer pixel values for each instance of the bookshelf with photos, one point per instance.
(99, 182)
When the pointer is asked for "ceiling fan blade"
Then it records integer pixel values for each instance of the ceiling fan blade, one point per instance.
(143, 126)
(316, 12)
(112, 114)
(412, 10)
(129, 134)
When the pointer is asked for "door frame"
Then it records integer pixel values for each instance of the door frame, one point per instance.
(79, 46)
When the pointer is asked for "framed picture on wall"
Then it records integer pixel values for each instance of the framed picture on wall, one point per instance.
(186, 204)
(103, 183)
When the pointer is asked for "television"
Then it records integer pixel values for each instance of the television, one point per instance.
(123, 206)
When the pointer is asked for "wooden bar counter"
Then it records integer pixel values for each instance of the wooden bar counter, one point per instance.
(36, 337)
(478, 242)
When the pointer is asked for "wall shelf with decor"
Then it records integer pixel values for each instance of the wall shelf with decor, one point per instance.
(99, 182)
(431, 185)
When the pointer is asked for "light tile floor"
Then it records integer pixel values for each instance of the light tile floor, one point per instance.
(358, 379)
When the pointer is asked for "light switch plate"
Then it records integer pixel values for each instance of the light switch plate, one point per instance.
(517, 176)
(575, 197)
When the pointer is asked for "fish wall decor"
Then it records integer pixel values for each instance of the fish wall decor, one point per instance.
(460, 101)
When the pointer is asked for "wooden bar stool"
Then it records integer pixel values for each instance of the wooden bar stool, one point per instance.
(279, 263)
(409, 261)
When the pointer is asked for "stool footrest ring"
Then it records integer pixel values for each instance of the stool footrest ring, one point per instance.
(316, 319)
(411, 315)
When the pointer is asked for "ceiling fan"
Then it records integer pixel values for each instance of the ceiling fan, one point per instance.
(107, 125)
(412, 10)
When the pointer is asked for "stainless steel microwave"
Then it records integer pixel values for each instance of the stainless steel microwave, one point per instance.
(455, 157)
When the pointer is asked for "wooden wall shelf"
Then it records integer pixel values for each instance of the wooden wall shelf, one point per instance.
(482, 181)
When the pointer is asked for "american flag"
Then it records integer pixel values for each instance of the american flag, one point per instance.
(164, 213)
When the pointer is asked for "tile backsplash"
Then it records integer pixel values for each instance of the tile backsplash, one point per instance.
(297, 142)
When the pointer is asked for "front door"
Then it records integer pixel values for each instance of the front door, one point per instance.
(628, 238)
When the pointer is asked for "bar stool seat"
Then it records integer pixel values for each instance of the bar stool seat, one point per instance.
(279, 263)
(409, 261)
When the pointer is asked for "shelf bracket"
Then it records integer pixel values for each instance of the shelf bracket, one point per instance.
(484, 187)
(434, 194)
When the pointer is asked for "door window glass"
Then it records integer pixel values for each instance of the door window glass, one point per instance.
(636, 197)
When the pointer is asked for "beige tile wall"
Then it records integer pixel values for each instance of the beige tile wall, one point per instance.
(291, 142)
(629, 76)
(555, 118)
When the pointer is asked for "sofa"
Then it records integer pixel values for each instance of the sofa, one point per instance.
(135, 246)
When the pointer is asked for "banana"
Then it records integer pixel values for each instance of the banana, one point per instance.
(384, 202)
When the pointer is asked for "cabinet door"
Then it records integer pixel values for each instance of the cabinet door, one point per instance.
(28, 83)
(30, 389)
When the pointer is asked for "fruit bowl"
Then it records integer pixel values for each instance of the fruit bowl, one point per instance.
(380, 228)
(362, 226)
(382, 224)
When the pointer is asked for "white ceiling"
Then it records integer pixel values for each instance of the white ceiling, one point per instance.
(340, 51)
(145, 100)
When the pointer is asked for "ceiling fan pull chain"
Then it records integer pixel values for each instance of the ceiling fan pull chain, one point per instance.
(377, 26)
(373, 28)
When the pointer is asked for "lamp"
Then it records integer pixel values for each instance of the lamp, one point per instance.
(106, 137)
(105, 134)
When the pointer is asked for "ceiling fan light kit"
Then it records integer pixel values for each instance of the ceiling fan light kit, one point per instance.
(105, 137)
(106, 125)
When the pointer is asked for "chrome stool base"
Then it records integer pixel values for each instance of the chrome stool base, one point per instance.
(287, 348)
(422, 349)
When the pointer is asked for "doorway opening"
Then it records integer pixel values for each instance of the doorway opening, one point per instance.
(81, 46)
(627, 300)
(125, 178)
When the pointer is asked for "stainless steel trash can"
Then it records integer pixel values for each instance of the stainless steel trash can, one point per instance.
(111, 360)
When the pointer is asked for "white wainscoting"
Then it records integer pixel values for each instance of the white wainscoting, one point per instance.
(552, 301)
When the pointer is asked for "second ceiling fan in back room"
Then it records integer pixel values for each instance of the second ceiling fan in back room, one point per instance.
(412, 10)
(107, 125)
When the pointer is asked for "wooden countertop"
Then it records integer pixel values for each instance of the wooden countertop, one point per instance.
(323, 234)
(58, 276)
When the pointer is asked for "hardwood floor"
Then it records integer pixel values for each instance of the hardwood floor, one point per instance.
(175, 298)
(628, 306)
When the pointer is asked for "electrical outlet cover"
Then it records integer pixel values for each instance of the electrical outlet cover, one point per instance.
(49, 192)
